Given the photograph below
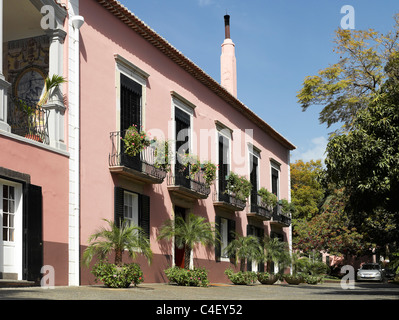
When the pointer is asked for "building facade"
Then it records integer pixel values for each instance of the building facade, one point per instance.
(57, 191)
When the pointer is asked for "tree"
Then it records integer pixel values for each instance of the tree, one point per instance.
(349, 85)
(188, 234)
(118, 239)
(244, 249)
(330, 231)
(306, 190)
(365, 162)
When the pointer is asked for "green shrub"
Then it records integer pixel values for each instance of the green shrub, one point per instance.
(118, 277)
(241, 277)
(309, 279)
(185, 277)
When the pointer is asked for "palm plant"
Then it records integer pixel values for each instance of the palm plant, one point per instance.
(118, 238)
(275, 251)
(188, 234)
(50, 83)
(244, 249)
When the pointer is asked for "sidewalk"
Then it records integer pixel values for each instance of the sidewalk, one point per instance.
(216, 292)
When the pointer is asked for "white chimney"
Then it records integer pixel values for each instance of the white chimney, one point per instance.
(228, 68)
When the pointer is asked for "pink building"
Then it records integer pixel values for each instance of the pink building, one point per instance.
(56, 192)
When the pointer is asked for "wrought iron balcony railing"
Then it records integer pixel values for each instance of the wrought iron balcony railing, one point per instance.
(190, 186)
(141, 167)
(226, 200)
(259, 208)
(28, 119)
(281, 218)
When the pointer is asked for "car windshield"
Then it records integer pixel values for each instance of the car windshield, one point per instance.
(370, 267)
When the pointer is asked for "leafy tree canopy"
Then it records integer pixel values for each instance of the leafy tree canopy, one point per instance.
(349, 85)
(365, 162)
(306, 190)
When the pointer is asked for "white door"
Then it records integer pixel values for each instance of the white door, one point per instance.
(11, 229)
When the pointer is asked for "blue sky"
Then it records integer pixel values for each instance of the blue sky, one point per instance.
(278, 44)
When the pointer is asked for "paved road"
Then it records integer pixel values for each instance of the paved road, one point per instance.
(325, 291)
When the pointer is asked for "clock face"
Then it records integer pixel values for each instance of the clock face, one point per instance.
(29, 85)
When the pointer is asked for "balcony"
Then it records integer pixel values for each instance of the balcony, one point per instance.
(280, 218)
(28, 120)
(181, 184)
(258, 209)
(227, 201)
(140, 168)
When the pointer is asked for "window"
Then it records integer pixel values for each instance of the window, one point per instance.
(182, 138)
(130, 102)
(134, 207)
(131, 208)
(131, 90)
(223, 162)
(254, 177)
(275, 173)
(224, 236)
(226, 228)
(8, 213)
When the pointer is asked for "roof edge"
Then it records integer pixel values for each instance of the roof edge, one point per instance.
(132, 21)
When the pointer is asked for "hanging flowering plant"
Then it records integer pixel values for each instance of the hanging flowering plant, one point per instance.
(238, 186)
(135, 141)
(163, 155)
(209, 172)
(191, 162)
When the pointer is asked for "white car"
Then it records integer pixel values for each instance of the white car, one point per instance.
(370, 272)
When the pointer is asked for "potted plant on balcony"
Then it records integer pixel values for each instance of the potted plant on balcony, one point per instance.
(190, 162)
(209, 172)
(35, 112)
(29, 113)
(162, 155)
(268, 199)
(135, 141)
(286, 207)
(238, 187)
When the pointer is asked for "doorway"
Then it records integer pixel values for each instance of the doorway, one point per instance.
(10, 230)
(179, 252)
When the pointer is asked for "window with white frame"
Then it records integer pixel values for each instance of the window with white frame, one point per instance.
(226, 233)
(131, 208)
(8, 208)
(224, 236)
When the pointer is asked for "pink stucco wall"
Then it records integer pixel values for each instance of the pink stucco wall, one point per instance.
(102, 36)
(50, 171)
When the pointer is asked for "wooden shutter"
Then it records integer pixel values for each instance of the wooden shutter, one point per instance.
(223, 167)
(131, 93)
(275, 182)
(118, 205)
(218, 247)
(254, 182)
(144, 213)
(182, 120)
(32, 235)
